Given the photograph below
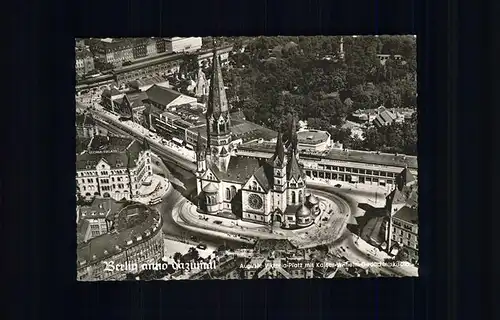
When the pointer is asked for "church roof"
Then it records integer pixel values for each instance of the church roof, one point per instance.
(239, 169)
(264, 175)
(312, 199)
(406, 176)
(217, 101)
(303, 211)
(210, 188)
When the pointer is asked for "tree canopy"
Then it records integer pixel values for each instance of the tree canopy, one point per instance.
(306, 77)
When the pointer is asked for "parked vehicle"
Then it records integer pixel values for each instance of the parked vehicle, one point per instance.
(201, 246)
(338, 185)
(218, 222)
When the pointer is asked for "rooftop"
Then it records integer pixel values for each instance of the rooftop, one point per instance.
(117, 152)
(388, 159)
(242, 129)
(146, 82)
(407, 214)
(239, 170)
(162, 95)
(110, 144)
(312, 136)
(132, 225)
(99, 208)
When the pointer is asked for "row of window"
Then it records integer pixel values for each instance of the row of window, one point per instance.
(403, 225)
(400, 232)
(89, 188)
(360, 171)
(405, 242)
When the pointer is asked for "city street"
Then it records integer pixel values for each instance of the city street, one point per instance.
(173, 231)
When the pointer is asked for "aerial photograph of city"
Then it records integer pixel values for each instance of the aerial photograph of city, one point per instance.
(217, 158)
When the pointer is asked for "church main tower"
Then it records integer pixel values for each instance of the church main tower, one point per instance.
(218, 119)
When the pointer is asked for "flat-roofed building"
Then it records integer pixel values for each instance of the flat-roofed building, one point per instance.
(178, 44)
(354, 166)
(315, 140)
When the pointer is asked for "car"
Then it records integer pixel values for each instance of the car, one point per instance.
(324, 219)
(338, 185)
(218, 222)
(201, 246)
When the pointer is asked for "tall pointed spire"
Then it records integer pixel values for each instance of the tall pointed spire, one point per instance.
(200, 147)
(217, 101)
(279, 153)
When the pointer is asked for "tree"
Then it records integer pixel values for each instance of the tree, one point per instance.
(318, 124)
(189, 66)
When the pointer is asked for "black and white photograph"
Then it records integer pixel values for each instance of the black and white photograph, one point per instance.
(266, 157)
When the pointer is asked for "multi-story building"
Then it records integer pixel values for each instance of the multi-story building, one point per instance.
(135, 238)
(114, 51)
(160, 45)
(96, 216)
(354, 166)
(84, 62)
(151, 47)
(139, 49)
(405, 231)
(178, 44)
(401, 223)
(113, 167)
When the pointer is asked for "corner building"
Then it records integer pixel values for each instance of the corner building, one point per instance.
(261, 191)
(113, 167)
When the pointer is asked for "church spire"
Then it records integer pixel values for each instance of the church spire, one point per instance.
(200, 147)
(279, 153)
(217, 101)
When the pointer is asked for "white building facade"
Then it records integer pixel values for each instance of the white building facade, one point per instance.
(116, 175)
